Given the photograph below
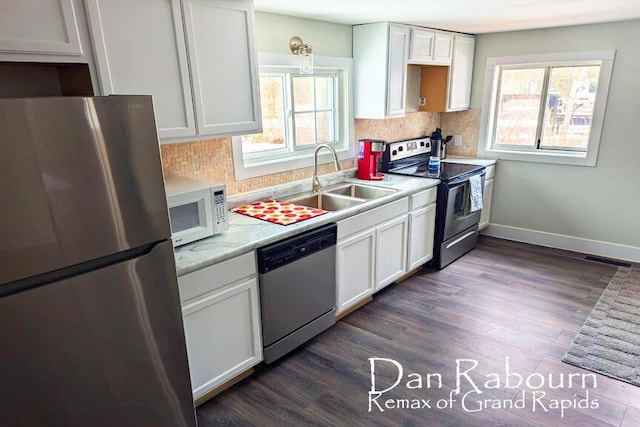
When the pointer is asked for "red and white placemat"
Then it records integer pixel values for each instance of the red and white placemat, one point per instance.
(279, 212)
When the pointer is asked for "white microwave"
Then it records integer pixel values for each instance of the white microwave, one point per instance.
(197, 209)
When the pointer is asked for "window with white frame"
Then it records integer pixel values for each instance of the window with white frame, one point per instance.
(299, 111)
(547, 108)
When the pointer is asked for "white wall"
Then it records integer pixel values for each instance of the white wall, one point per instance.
(273, 33)
(600, 203)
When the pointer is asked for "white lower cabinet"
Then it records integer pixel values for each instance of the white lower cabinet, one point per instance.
(354, 269)
(220, 308)
(391, 251)
(487, 195)
(371, 252)
(422, 223)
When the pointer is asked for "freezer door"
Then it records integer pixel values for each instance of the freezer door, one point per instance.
(103, 348)
(81, 179)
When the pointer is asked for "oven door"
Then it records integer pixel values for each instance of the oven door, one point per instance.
(456, 220)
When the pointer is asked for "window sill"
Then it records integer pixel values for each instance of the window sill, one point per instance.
(562, 158)
(243, 171)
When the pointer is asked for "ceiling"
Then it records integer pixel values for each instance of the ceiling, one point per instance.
(468, 16)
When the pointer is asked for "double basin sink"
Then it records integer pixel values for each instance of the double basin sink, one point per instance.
(341, 196)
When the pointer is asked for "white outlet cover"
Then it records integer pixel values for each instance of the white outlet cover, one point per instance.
(457, 140)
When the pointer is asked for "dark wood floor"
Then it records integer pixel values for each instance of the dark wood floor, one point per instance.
(502, 300)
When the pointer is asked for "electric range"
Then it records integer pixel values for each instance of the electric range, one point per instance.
(411, 157)
(456, 228)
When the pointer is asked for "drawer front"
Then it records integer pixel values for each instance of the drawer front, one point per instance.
(424, 198)
(372, 218)
(216, 276)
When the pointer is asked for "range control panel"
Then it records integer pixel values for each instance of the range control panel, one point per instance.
(411, 147)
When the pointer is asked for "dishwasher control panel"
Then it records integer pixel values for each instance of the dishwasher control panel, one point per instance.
(291, 249)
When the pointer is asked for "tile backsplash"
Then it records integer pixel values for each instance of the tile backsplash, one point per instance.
(212, 159)
(464, 123)
(412, 125)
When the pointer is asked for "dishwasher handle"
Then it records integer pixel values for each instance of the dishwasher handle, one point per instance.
(289, 250)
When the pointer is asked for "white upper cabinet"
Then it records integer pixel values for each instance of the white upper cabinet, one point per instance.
(140, 49)
(224, 68)
(396, 66)
(196, 57)
(443, 48)
(461, 72)
(39, 27)
(447, 89)
(430, 47)
(380, 53)
(422, 42)
(397, 72)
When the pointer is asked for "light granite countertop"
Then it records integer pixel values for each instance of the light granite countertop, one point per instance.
(246, 234)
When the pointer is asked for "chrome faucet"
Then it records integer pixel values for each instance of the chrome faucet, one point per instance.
(316, 181)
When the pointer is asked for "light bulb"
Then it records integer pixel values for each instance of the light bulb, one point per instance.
(306, 63)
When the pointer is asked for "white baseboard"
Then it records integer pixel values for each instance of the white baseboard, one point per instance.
(560, 241)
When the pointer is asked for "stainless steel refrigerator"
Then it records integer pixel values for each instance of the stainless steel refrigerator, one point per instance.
(91, 327)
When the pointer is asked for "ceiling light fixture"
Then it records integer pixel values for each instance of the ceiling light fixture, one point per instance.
(298, 47)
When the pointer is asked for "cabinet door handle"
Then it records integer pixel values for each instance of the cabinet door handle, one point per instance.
(459, 239)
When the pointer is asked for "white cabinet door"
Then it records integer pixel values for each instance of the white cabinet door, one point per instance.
(487, 195)
(223, 335)
(221, 43)
(443, 47)
(355, 269)
(140, 49)
(380, 53)
(421, 235)
(56, 31)
(460, 74)
(430, 47)
(397, 72)
(422, 45)
(391, 251)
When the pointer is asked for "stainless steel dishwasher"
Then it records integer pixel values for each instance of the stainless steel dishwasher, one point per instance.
(297, 289)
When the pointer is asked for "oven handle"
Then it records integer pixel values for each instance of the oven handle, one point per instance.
(462, 181)
(459, 239)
